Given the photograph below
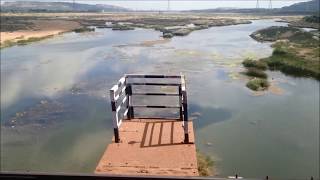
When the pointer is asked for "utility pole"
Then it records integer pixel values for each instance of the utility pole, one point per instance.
(168, 8)
(257, 4)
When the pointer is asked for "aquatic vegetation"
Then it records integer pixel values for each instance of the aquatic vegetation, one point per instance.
(255, 69)
(84, 29)
(250, 63)
(233, 75)
(42, 114)
(293, 65)
(188, 53)
(122, 27)
(254, 72)
(312, 19)
(295, 53)
(292, 34)
(258, 84)
(167, 35)
(205, 164)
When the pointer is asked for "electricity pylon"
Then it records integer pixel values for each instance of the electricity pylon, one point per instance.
(270, 4)
(257, 4)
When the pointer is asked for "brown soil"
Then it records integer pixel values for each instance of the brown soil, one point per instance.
(41, 28)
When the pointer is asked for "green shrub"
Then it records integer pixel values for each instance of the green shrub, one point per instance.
(205, 164)
(293, 65)
(258, 84)
(312, 19)
(122, 27)
(279, 51)
(84, 29)
(167, 35)
(249, 63)
(254, 72)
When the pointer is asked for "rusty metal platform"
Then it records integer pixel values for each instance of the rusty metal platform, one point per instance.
(151, 147)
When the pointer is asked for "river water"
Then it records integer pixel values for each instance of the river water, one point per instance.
(55, 114)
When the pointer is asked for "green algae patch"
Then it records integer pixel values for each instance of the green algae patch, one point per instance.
(258, 84)
(250, 63)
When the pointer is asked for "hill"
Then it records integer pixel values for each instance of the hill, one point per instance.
(309, 7)
(34, 6)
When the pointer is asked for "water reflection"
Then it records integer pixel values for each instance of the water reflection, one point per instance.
(204, 116)
(76, 71)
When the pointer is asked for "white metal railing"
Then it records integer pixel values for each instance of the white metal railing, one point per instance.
(123, 108)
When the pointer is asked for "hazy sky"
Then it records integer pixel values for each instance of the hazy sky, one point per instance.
(185, 4)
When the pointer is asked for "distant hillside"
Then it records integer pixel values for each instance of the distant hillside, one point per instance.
(310, 6)
(297, 8)
(33, 6)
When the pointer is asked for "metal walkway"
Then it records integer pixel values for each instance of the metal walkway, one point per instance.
(149, 145)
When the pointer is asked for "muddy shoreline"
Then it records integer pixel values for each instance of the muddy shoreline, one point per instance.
(32, 27)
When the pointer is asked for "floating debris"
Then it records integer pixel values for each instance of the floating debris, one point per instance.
(274, 89)
(253, 122)
(43, 102)
(42, 113)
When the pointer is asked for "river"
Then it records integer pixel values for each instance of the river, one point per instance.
(55, 114)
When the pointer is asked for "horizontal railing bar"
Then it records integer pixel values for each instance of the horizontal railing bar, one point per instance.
(156, 94)
(157, 118)
(151, 106)
(151, 76)
(156, 84)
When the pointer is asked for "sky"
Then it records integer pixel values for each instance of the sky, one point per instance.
(184, 4)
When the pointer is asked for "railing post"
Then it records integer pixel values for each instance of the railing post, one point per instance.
(180, 103)
(130, 114)
(185, 117)
(115, 117)
(127, 95)
(185, 109)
